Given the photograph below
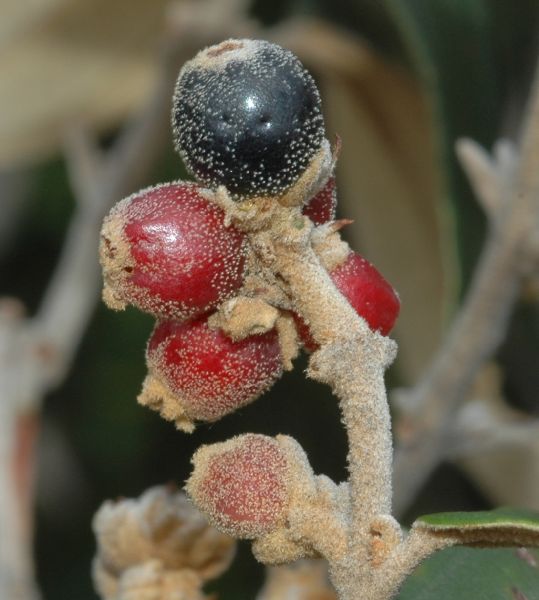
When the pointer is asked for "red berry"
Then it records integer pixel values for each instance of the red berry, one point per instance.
(166, 250)
(204, 373)
(369, 294)
(241, 485)
(322, 207)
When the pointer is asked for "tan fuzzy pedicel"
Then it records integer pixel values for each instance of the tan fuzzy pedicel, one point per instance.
(244, 316)
(116, 261)
(157, 396)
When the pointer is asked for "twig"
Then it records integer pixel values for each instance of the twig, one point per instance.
(488, 175)
(352, 360)
(417, 546)
(38, 351)
(482, 426)
(16, 569)
(481, 324)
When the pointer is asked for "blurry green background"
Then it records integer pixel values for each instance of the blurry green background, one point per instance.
(469, 62)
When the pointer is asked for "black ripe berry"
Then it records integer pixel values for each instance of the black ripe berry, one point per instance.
(247, 115)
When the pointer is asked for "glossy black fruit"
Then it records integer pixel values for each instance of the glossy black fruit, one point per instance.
(247, 115)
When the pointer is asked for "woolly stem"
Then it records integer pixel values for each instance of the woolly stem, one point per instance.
(417, 546)
(352, 360)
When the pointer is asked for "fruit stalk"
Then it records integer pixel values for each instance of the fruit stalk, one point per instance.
(352, 360)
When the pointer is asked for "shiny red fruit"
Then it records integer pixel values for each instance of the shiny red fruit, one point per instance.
(369, 294)
(205, 372)
(166, 250)
(322, 207)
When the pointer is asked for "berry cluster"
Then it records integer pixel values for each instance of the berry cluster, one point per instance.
(247, 120)
(167, 251)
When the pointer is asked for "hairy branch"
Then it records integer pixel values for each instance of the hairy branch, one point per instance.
(484, 425)
(511, 195)
(39, 350)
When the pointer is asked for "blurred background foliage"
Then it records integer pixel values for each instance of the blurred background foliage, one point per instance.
(440, 69)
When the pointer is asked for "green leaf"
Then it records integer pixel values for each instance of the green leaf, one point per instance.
(500, 517)
(475, 574)
(500, 527)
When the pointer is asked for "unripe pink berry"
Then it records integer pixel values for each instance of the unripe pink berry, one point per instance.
(242, 485)
(206, 374)
(166, 250)
(369, 294)
(322, 207)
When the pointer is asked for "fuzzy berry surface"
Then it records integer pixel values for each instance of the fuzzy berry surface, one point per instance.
(247, 115)
(322, 207)
(369, 294)
(242, 485)
(166, 250)
(209, 373)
